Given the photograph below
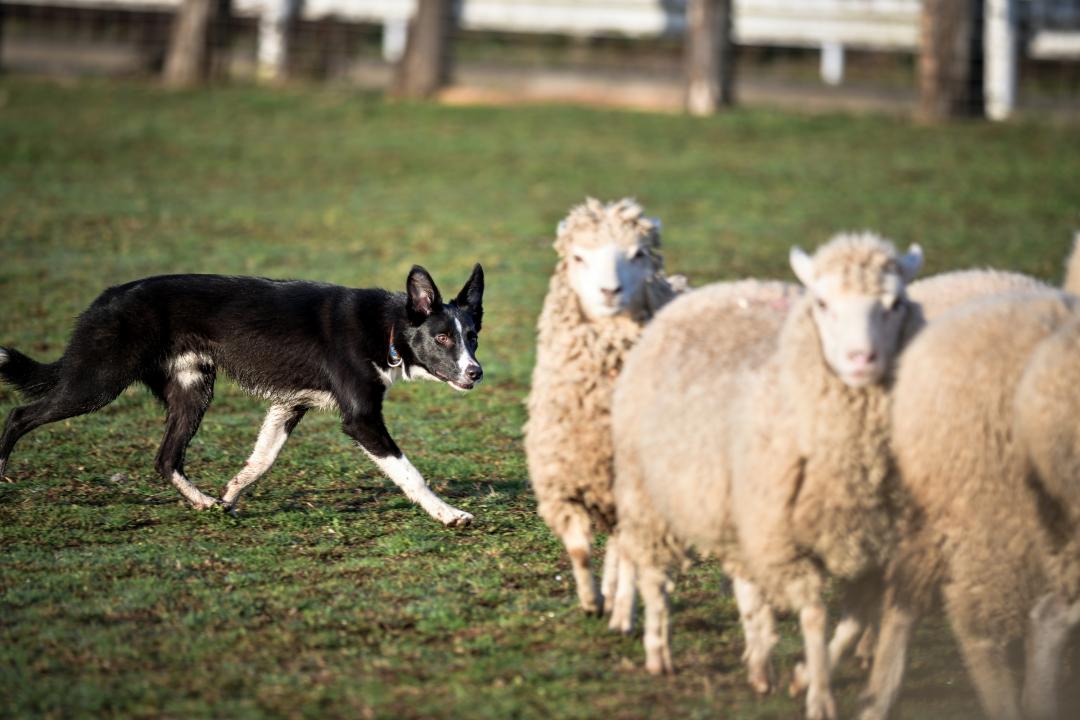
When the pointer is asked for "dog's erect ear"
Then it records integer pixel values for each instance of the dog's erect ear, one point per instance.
(424, 297)
(471, 297)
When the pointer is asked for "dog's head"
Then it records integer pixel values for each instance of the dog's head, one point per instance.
(442, 337)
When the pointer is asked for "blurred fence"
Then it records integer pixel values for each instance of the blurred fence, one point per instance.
(1048, 29)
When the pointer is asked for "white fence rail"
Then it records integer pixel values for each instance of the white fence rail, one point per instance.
(831, 25)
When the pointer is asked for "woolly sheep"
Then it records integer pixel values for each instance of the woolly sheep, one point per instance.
(607, 283)
(863, 590)
(765, 444)
(985, 440)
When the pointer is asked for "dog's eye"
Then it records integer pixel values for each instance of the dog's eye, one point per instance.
(444, 340)
(639, 254)
(473, 339)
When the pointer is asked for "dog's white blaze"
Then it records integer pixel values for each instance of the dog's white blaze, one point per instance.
(272, 437)
(408, 478)
(196, 497)
(185, 368)
(464, 358)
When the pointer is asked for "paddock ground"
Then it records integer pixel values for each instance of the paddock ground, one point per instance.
(331, 595)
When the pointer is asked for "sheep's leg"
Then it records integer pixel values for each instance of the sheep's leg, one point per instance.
(759, 632)
(819, 700)
(611, 570)
(988, 663)
(897, 624)
(655, 587)
(1052, 620)
(986, 658)
(848, 629)
(577, 537)
(623, 605)
(861, 611)
(864, 651)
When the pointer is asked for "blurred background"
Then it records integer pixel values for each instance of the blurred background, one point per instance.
(937, 58)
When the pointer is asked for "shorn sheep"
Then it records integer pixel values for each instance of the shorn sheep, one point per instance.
(764, 442)
(607, 283)
(995, 495)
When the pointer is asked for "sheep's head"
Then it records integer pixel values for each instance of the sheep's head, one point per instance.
(609, 251)
(857, 289)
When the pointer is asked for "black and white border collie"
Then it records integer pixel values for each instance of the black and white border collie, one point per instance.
(300, 345)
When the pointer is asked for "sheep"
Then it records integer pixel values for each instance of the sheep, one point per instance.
(764, 443)
(607, 283)
(984, 437)
(863, 592)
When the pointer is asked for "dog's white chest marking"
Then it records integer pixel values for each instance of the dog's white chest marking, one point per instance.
(390, 376)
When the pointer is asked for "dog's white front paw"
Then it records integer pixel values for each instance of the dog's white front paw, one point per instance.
(456, 518)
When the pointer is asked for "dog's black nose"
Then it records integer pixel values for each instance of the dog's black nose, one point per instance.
(474, 372)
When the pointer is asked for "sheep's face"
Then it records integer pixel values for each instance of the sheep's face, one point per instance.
(859, 328)
(607, 277)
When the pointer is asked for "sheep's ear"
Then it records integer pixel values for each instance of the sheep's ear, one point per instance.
(471, 297)
(910, 263)
(803, 266)
(424, 297)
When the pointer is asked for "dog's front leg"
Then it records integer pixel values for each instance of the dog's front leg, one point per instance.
(371, 435)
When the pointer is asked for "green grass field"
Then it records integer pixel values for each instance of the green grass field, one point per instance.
(331, 595)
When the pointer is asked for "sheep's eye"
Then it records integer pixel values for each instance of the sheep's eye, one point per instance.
(822, 305)
(578, 259)
(443, 339)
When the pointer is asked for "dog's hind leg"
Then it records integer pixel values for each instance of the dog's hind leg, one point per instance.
(276, 428)
(62, 401)
(187, 393)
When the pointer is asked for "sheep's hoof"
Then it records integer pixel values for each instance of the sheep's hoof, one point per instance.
(820, 706)
(659, 664)
(798, 682)
(619, 624)
(593, 608)
(760, 682)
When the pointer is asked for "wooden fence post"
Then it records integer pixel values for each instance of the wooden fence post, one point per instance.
(710, 56)
(948, 84)
(188, 59)
(425, 66)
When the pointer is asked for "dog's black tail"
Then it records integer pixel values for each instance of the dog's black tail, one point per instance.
(32, 378)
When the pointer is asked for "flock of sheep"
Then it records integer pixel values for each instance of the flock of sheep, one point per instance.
(901, 441)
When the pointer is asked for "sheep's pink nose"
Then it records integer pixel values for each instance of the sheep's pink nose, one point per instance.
(861, 357)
